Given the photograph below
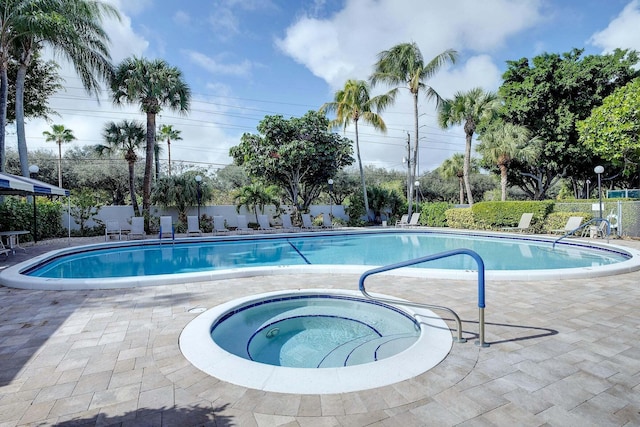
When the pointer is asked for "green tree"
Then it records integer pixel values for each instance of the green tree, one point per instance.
(454, 167)
(127, 138)
(256, 196)
(298, 155)
(403, 66)
(181, 192)
(83, 208)
(168, 133)
(548, 96)
(154, 85)
(468, 109)
(60, 135)
(354, 103)
(612, 131)
(503, 142)
(72, 29)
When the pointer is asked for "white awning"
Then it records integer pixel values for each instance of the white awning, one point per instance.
(14, 184)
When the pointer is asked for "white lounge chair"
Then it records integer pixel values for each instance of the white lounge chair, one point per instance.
(573, 223)
(327, 222)
(287, 225)
(414, 221)
(307, 224)
(402, 221)
(137, 228)
(243, 226)
(524, 224)
(193, 228)
(112, 228)
(218, 225)
(264, 225)
(166, 227)
(3, 249)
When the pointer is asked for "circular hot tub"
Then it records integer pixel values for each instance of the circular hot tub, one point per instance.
(315, 342)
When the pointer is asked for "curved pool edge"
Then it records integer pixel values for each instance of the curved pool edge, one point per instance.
(13, 277)
(199, 349)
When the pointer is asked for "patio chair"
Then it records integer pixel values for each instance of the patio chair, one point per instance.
(218, 225)
(166, 227)
(137, 228)
(193, 228)
(3, 249)
(524, 224)
(264, 225)
(414, 221)
(573, 223)
(402, 221)
(307, 224)
(112, 228)
(287, 225)
(327, 222)
(243, 226)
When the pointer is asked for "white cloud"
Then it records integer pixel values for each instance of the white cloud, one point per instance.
(622, 32)
(182, 18)
(217, 66)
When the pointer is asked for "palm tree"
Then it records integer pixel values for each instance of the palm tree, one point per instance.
(72, 28)
(154, 85)
(468, 109)
(352, 104)
(126, 138)
(169, 133)
(502, 143)
(403, 65)
(157, 149)
(256, 196)
(59, 134)
(453, 167)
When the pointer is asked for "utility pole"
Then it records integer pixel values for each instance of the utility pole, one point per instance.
(409, 177)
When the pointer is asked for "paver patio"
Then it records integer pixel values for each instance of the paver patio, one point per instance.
(563, 353)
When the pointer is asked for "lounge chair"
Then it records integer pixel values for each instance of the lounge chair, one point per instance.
(287, 225)
(112, 228)
(327, 222)
(414, 221)
(193, 228)
(218, 225)
(402, 221)
(137, 228)
(601, 230)
(264, 225)
(524, 224)
(573, 223)
(166, 227)
(307, 224)
(3, 249)
(243, 226)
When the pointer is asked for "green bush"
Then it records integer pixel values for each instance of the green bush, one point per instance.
(460, 218)
(495, 215)
(557, 220)
(17, 214)
(434, 214)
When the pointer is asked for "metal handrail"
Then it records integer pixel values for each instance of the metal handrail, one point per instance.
(596, 220)
(481, 302)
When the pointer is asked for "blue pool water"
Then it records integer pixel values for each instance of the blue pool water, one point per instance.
(314, 331)
(375, 249)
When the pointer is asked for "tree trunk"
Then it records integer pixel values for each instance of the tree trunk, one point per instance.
(461, 181)
(412, 168)
(60, 163)
(503, 181)
(466, 169)
(132, 188)
(148, 167)
(4, 95)
(364, 185)
(22, 139)
(169, 153)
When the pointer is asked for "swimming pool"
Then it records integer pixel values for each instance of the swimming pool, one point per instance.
(431, 341)
(152, 262)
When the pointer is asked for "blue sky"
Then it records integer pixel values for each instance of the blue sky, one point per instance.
(247, 59)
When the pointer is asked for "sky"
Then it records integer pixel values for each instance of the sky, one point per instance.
(245, 59)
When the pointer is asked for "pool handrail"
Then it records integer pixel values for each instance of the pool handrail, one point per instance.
(481, 289)
(582, 226)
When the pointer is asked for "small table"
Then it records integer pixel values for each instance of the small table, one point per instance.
(13, 239)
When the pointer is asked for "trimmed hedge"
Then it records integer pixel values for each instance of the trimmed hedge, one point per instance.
(460, 218)
(434, 214)
(495, 215)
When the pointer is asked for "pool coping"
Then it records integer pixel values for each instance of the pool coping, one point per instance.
(14, 277)
(197, 346)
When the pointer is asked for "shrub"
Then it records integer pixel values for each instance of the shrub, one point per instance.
(557, 220)
(17, 214)
(434, 214)
(460, 218)
(488, 215)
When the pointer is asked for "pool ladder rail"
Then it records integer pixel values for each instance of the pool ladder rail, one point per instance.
(583, 227)
(481, 301)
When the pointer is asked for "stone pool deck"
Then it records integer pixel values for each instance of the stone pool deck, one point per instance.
(562, 353)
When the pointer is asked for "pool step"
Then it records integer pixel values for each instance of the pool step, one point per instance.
(366, 350)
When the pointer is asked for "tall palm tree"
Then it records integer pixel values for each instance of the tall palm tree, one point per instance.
(73, 29)
(453, 167)
(404, 66)
(154, 85)
(60, 135)
(354, 103)
(502, 143)
(157, 149)
(126, 138)
(468, 109)
(168, 133)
